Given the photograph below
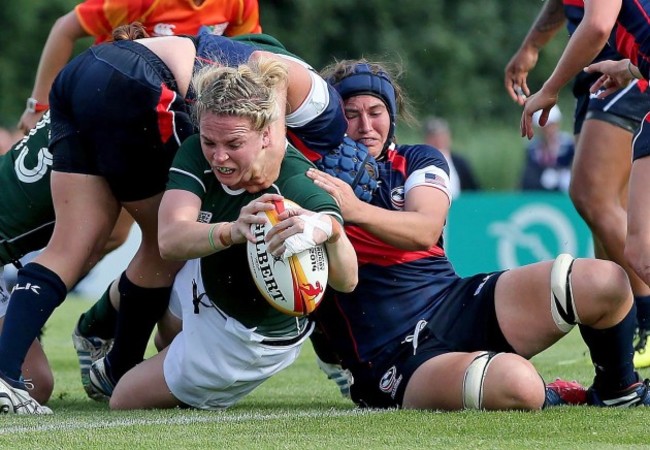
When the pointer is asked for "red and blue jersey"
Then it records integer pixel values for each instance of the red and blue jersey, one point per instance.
(397, 288)
(632, 33)
(574, 10)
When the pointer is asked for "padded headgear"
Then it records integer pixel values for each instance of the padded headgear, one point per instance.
(362, 80)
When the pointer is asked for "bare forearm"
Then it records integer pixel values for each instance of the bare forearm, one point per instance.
(343, 267)
(549, 20)
(184, 240)
(588, 40)
(405, 230)
(56, 54)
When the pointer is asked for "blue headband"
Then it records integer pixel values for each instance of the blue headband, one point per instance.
(363, 81)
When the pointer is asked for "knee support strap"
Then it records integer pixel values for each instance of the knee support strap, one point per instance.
(474, 379)
(563, 307)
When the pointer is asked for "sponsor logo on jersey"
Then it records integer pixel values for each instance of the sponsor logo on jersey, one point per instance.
(163, 29)
(480, 286)
(204, 217)
(390, 382)
(397, 197)
(219, 28)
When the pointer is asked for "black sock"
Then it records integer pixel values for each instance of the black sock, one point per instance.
(100, 319)
(37, 293)
(140, 309)
(643, 311)
(611, 352)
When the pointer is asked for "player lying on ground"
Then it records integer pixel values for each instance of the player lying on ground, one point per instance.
(413, 333)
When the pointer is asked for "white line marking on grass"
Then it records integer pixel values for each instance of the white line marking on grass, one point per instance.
(217, 417)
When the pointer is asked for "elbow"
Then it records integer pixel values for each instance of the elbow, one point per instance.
(598, 30)
(424, 241)
(167, 248)
(166, 252)
(347, 284)
(343, 277)
(602, 36)
(351, 281)
(422, 245)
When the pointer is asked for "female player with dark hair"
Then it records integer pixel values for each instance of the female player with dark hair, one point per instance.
(118, 116)
(414, 334)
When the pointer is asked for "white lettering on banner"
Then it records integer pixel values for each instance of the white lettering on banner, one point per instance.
(515, 233)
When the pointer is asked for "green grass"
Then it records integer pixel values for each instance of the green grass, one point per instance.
(299, 408)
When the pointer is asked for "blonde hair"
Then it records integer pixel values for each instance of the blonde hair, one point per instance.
(249, 91)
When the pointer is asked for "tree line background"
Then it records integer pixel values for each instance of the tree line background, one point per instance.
(453, 54)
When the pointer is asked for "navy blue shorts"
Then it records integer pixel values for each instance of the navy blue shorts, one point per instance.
(116, 113)
(464, 321)
(641, 142)
(625, 108)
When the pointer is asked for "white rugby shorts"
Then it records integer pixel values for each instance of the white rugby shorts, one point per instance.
(215, 360)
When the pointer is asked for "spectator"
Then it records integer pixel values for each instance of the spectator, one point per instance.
(438, 134)
(548, 156)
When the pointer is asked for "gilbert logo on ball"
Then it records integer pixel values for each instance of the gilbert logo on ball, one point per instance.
(295, 285)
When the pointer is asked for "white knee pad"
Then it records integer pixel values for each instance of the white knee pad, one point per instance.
(563, 306)
(474, 379)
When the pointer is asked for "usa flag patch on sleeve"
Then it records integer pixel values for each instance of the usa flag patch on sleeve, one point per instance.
(429, 176)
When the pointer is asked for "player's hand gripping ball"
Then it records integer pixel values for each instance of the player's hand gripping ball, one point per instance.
(352, 163)
(293, 285)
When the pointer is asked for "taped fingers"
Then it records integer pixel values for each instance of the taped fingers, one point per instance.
(304, 240)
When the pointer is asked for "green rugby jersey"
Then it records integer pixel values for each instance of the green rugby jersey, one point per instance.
(26, 210)
(226, 275)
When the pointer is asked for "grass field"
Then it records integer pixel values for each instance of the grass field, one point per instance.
(299, 408)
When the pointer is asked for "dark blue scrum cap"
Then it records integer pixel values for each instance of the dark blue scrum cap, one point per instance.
(363, 81)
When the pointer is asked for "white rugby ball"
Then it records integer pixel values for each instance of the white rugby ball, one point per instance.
(295, 285)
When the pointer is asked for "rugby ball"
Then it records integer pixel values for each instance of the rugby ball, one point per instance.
(294, 285)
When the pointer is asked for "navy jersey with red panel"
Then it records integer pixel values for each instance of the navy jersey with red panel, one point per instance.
(632, 33)
(623, 108)
(397, 288)
(574, 10)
